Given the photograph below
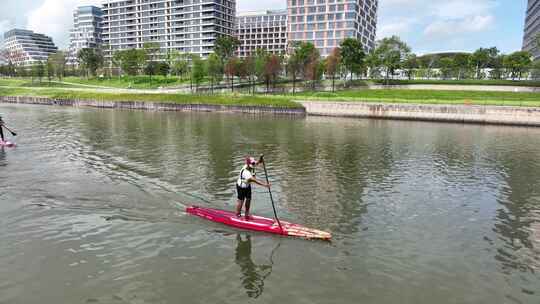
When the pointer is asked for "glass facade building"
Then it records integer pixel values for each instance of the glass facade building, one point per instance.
(262, 30)
(184, 25)
(532, 28)
(328, 22)
(24, 47)
(86, 32)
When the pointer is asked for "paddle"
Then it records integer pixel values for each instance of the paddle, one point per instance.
(12, 133)
(270, 192)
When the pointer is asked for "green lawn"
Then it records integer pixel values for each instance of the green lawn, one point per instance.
(462, 82)
(28, 83)
(363, 95)
(225, 99)
(427, 97)
(130, 82)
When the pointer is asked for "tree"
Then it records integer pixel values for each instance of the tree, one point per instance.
(163, 69)
(151, 49)
(231, 70)
(497, 68)
(117, 59)
(535, 70)
(225, 46)
(50, 68)
(38, 71)
(130, 61)
(373, 64)
(332, 65)
(461, 61)
(410, 64)
(261, 57)
(90, 60)
(151, 68)
(249, 68)
(215, 69)
(314, 69)
(272, 69)
(446, 65)
(293, 69)
(242, 70)
(197, 71)
(59, 62)
(352, 54)
(518, 62)
(391, 54)
(302, 54)
(481, 58)
(179, 63)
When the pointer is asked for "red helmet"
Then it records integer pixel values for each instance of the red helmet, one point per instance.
(250, 161)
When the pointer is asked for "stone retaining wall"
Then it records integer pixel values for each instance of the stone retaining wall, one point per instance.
(456, 87)
(152, 106)
(501, 115)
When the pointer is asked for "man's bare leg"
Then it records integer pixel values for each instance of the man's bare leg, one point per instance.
(239, 204)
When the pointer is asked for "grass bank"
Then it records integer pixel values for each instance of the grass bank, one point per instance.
(487, 82)
(362, 95)
(130, 82)
(28, 83)
(427, 97)
(225, 99)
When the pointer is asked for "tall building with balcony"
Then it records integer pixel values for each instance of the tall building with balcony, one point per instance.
(262, 30)
(86, 32)
(184, 25)
(24, 47)
(532, 28)
(328, 22)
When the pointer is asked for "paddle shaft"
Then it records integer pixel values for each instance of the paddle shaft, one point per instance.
(270, 192)
(12, 133)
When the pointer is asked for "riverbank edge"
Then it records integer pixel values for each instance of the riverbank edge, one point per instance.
(470, 114)
(474, 114)
(153, 106)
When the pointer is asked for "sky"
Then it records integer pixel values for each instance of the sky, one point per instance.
(426, 25)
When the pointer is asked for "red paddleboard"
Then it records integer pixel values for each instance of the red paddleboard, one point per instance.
(257, 223)
(8, 144)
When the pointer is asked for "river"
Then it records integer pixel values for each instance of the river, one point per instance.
(92, 209)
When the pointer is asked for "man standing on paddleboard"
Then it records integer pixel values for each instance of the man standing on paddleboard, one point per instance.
(1, 129)
(243, 185)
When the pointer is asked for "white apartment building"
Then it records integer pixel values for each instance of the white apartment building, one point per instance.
(328, 22)
(24, 47)
(532, 28)
(184, 25)
(86, 32)
(262, 30)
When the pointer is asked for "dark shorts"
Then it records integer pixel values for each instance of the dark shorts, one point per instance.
(243, 193)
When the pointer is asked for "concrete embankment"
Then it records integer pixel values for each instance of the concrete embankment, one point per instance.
(500, 115)
(453, 87)
(153, 106)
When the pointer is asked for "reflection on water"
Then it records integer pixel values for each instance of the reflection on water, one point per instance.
(253, 275)
(2, 157)
(96, 198)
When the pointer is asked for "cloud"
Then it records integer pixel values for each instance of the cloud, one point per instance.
(464, 8)
(259, 5)
(441, 23)
(5, 25)
(449, 28)
(396, 26)
(55, 21)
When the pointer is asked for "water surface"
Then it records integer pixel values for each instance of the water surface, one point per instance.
(92, 210)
